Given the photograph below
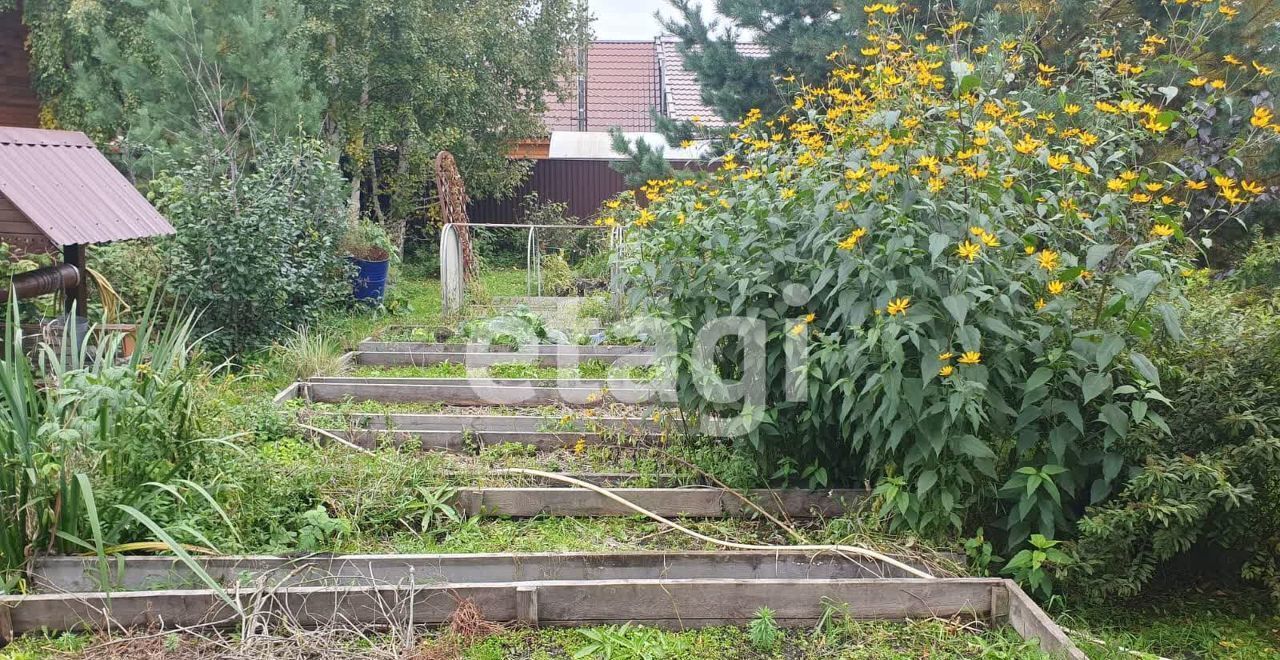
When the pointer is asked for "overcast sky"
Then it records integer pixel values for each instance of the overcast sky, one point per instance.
(631, 19)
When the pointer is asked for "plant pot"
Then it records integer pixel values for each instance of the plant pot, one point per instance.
(370, 280)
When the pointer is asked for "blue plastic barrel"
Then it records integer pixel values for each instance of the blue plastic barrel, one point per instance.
(370, 279)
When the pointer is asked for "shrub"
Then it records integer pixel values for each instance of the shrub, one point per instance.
(257, 250)
(1214, 484)
(971, 250)
(557, 277)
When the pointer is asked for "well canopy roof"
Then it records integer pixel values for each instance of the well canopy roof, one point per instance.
(70, 191)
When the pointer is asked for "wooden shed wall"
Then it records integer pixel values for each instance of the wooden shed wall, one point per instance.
(18, 103)
(19, 232)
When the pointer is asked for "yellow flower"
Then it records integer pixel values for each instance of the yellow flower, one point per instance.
(1071, 109)
(968, 250)
(1262, 116)
(990, 240)
(946, 370)
(644, 218)
(943, 357)
(613, 204)
(1162, 230)
(685, 144)
(1058, 161)
(1252, 187)
(810, 317)
(1232, 59)
(898, 306)
(1261, 69)
(788, 193)
(1027, 145)
(1198, 81)
(1056, 287)
(970, 358)
(1047, 259)
(1140, 197)
(1040, 304)
(1229, 12)
(1197, 185)
(852, 239)
(1116, 185)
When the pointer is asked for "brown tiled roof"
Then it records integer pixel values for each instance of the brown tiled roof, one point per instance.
(65, 187)
(683, 94)
(622, 85)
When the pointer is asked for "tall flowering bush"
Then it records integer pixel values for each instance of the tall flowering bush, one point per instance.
(972, 249)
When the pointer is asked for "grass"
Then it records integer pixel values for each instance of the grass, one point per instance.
(1196, 622)
(841, 637)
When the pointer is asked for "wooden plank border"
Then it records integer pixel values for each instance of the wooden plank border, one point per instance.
(693, 502)
(667, 603)
(329, 391)
(585, 352)
(482, 423)
(136, 573)
(467, 441)
(490, 358)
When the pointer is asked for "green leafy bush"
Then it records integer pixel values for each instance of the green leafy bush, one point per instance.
(557, 277)
(1214, 483)
(960, 258)
(257, 250)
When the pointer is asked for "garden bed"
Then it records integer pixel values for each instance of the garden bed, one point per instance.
(466, 392)
(356, 596)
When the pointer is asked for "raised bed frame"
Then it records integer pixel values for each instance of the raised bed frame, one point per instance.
(576, 589)
(464, 392)
(375, 344)
(692, 502)
(488, 359)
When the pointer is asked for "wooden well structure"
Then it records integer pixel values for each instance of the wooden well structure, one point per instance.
(58, 193)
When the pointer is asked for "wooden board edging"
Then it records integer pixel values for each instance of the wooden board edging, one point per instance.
(490, 358)
(476, 395)
(667, 603)
(80, 574)
(676, 603)
(481, 423)
(1032, 622)
(694, 502)
(467, 441)
(381, 346)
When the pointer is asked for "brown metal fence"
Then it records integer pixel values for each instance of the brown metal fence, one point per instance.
(581, 184)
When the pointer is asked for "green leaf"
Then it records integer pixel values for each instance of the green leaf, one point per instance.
(1145, 367)
(1096, 254)
(1093, 385)
(927, 480)
(1040, 377)
(974, 447)
(958, 306)
(1111, 346)
(937, 245)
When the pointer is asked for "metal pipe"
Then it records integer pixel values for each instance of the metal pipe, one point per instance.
(51, 279)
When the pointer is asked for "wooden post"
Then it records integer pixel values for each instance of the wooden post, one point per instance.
(527, 605)
(77, 297)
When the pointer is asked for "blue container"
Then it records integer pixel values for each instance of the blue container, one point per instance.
(370, 279)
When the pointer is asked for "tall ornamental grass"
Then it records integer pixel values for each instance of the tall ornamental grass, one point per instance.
(97, 450)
